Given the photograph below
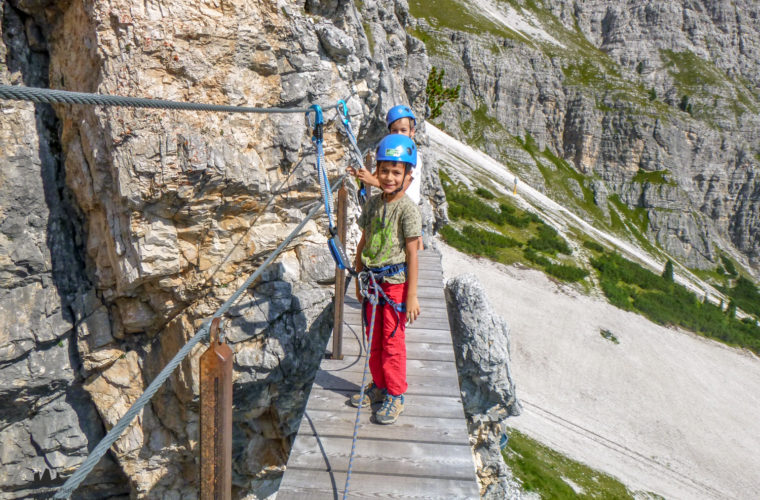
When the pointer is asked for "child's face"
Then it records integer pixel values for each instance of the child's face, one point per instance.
(402, 126)
(391, 175)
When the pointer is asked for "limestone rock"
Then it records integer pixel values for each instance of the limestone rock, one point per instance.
(481, 347)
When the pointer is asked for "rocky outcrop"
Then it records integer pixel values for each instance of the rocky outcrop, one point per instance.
(123, 229)
(481, 347)
(658, 106)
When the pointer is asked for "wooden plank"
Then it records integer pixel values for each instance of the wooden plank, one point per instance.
(425, 321)
(416, 405)
(334, 423)
(379, 456)
(305, 484)
(354, 364)
(414, 350)
(419, 384)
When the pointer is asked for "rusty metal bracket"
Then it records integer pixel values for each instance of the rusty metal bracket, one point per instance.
(216, 418)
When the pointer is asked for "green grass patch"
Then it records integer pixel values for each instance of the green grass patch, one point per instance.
(629, 286)
(656, 177)
(638, 216)
(458, 16)
(547, 472)
(690, 72)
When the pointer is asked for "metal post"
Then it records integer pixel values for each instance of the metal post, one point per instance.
(216, 419)
(340, 279)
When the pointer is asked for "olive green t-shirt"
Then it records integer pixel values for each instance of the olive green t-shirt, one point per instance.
(385, 240)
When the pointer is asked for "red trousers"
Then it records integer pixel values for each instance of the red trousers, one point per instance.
(387, 355)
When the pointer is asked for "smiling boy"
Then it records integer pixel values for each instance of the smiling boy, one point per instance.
(391, 226)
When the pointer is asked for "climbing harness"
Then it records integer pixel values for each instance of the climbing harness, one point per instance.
(379, 274)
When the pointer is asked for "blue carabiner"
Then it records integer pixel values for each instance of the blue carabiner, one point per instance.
(319, 122)
(343, 109)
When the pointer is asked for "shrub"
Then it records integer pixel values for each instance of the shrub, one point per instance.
(631, 287)
(549, 241)
(484, 193)
(593, 245)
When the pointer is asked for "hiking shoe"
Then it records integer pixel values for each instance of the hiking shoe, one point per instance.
(393, 406)
(372, 394)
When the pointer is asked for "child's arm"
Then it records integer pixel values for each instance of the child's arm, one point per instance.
(365, 176)
(412, 304)
(359, 265)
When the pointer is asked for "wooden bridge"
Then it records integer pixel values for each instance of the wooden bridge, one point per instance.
(425, 454)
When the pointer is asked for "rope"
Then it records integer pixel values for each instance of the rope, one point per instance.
(373, 299)
(47, 96)
(95, 455)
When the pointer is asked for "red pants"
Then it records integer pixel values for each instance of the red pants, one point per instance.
(387, 355)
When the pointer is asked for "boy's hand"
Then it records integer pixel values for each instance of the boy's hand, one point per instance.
(412, 308)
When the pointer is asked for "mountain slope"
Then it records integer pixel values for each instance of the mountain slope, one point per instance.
(613, 107)
(664, 410)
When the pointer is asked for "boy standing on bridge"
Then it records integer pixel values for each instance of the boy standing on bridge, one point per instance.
(391, 226)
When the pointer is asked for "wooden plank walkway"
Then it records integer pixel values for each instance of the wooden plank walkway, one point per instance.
(425, 454)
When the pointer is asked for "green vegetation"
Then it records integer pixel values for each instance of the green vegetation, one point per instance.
(503, 230)
(609, 336)
(745, 295)
(555, 476)
(437, 94)
(667, 273)
(484, 193)
(656, 177)
(728, 265)
(633, 288)
(459, 16)
(593, 245)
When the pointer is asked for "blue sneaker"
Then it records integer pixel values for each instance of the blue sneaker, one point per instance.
(393, 406)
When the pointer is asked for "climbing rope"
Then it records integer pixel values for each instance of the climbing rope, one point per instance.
(47, 96)
(363, 278)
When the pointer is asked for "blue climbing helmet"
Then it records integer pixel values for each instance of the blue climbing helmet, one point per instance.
(397, 147)
(397, 112)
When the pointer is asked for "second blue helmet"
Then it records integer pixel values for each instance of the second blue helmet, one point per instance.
(397, 112)
(397, 147)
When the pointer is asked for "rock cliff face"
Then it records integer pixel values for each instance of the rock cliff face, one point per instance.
(481, 345)
(640, 115)
(123, 229)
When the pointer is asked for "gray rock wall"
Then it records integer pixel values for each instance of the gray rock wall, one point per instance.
(123, 229)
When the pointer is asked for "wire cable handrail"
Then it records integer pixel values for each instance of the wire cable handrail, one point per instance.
(47, 96)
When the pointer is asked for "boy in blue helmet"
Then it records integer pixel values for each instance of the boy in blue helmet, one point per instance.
(391, 225)
(400, 120)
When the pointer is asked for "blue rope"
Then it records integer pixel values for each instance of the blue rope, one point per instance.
(73, 482)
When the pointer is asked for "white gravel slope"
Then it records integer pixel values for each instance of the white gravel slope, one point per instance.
(665, 411)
